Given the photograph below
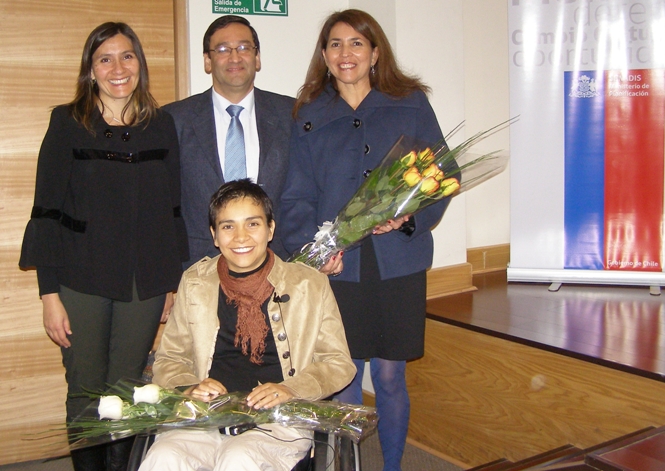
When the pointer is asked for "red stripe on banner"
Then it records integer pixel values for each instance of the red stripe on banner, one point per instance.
(634, 124)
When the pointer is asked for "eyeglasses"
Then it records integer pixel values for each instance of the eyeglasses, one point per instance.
(243, 50)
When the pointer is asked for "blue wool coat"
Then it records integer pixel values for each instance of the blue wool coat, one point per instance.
(332, 147)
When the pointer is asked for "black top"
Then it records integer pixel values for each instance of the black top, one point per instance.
(229, 366)
(107, 209)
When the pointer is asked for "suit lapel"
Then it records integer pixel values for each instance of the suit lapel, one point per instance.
(265, 126)
(206, 133)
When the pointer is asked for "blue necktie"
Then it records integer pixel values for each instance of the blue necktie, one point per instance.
(234, 157)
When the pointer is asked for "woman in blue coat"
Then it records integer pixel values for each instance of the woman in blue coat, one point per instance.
(354, 106)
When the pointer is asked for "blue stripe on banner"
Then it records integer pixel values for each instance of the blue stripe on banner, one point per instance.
(584, 187)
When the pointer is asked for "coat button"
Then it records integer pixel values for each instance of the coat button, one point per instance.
(276, 317)
(367, 172)
(110, 155)
(108, 133)
(281, 336)
(292, 371)
(366, 148)
(125, 136)
(307, 126)
(286, 355)
(356, 123)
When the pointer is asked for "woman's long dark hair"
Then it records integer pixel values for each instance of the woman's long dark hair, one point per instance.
(387, 78)
(142, 106)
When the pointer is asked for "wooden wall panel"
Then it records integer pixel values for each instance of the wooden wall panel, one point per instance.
(453, 279)
(490, 258)
(40, 51)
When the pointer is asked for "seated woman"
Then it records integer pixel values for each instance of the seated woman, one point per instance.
(247, 321)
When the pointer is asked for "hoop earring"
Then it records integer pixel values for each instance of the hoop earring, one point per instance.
(94, 81)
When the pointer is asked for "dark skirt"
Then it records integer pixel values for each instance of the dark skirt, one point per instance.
(382, 318)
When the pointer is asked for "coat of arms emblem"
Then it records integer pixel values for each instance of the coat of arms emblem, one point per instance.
(584, 87)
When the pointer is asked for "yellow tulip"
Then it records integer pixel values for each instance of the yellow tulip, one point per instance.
(426, 156)
(409, 159)
(433, 171)
(412, 176)
(429, 185)
(449, 185)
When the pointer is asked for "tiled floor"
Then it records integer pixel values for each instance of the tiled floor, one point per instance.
(620, 327)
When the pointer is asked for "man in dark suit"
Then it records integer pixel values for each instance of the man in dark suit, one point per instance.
(231, 54)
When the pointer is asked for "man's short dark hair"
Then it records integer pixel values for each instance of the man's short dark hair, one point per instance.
(223, 22)
(238, 189)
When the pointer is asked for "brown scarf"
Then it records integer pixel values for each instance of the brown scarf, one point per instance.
(248, 294)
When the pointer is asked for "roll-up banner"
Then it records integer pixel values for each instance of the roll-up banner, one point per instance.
(587, 79)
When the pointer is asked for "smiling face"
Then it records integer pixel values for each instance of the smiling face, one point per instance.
(242, 234)
(116, 69)
(349, 56)
(232, 74)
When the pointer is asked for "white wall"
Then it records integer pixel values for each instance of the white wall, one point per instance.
(458, 47)
(430, 44)
(486, 92)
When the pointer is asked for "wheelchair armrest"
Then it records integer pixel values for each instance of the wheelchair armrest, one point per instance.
(142, 443)
(319, 462)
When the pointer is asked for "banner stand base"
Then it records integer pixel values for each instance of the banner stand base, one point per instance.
(557, 277)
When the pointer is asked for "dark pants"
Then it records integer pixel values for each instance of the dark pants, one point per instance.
(110, 340)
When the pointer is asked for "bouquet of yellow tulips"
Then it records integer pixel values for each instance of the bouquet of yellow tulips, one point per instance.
(410, 177)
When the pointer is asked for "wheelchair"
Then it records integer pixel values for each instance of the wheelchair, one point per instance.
(329, 453)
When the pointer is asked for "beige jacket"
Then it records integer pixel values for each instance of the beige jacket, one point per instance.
(307, 329)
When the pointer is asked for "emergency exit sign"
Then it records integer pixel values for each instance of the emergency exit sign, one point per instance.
(251, 7)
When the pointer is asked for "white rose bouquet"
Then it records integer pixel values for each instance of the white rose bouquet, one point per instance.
(130, 407)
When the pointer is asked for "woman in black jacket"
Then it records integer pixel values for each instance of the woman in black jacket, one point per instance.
(105, 232)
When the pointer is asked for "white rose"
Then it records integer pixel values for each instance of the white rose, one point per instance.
(148, 393)
(110, 407)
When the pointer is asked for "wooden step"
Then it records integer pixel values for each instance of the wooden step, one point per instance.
(497, 465)
(642, 452)
(645, 446)
(547, 458)
(576, 466)
(578, 459)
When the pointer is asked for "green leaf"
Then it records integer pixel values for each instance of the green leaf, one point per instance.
(411, 207)
(372, 181)
(383, 206)
(354, 208)
(383, 184)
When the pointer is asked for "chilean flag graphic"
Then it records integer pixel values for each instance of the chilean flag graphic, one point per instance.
(614, 153)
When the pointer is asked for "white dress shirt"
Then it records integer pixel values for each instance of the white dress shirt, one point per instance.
(248, 121)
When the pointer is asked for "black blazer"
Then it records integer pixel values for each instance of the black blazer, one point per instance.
(201, 173)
